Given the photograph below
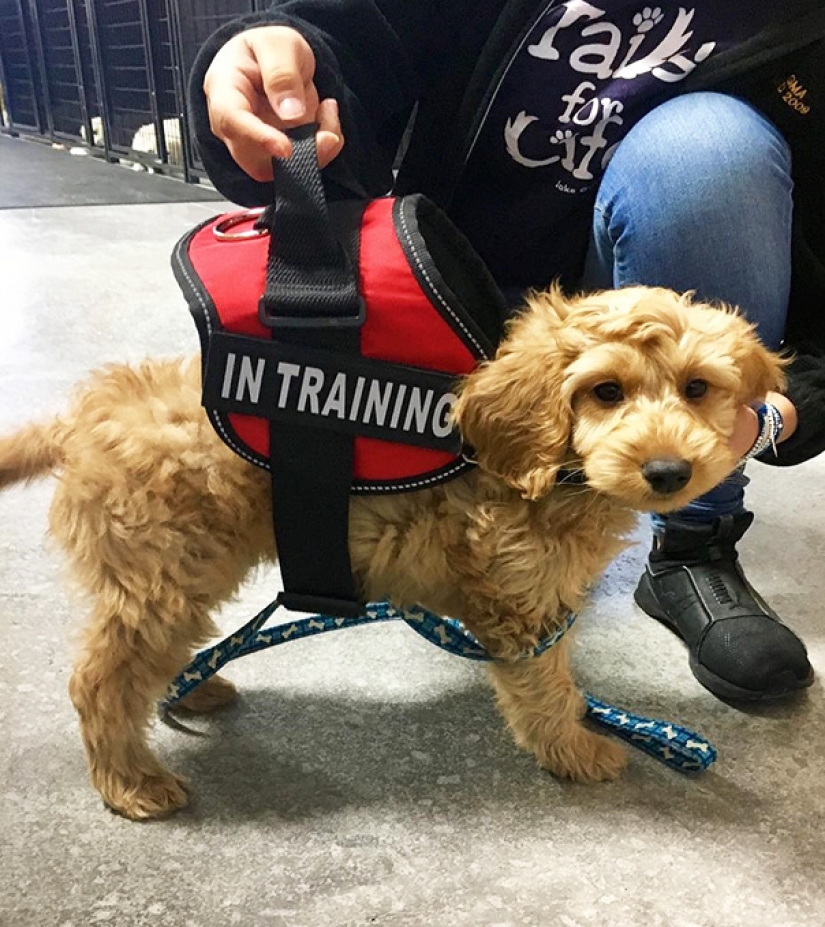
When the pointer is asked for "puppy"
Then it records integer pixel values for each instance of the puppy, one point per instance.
(635, 389)
(145, 139)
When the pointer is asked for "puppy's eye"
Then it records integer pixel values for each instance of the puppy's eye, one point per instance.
(696, 389)
(610, 392)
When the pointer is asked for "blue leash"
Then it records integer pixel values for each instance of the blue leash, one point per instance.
(677, 746)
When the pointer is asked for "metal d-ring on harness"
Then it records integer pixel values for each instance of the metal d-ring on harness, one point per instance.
(222, 229)
(312, 303)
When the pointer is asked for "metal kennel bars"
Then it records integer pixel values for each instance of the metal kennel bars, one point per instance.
(107, 75)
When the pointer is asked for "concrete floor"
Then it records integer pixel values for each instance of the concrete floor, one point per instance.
(364, 778)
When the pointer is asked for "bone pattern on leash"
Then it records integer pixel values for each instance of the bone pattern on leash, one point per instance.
(678, 747)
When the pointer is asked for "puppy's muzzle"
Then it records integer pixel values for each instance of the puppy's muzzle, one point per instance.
(667, 475)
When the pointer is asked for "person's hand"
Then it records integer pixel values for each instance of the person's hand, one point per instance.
(746, 428)
(260, 83)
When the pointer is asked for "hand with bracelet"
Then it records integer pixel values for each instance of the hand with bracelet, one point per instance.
(753, 433)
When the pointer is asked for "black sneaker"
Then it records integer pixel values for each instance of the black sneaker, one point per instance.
(693, 583)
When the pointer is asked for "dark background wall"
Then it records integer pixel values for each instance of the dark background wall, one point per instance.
(107, 74)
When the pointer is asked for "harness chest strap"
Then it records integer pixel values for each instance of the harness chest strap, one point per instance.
(311, 299)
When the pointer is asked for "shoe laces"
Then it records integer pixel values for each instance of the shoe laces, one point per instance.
(719, 588)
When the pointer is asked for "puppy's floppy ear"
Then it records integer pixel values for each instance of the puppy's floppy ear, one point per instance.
(761, 369)
(512, 411)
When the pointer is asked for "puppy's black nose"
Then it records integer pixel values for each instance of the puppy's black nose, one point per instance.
(667, 474)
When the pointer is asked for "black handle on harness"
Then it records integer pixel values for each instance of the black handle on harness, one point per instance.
(311, 300)
(310, 281)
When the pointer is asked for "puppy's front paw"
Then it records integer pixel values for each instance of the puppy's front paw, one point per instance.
(147, 796)
(583, 757)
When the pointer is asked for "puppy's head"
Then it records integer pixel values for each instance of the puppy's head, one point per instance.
(639, 387)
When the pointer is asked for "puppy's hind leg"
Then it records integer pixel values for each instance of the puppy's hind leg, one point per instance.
(544, 709)
(132, 650)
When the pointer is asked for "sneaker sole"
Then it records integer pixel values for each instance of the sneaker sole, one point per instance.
(780, 687)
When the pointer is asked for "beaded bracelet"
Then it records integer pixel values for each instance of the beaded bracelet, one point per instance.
(770, 429)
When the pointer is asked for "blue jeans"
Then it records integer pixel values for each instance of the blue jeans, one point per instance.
(698, 197)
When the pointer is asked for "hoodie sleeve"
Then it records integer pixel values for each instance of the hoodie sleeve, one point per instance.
(806, 390)
(372, 57)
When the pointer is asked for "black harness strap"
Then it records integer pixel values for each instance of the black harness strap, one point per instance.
(311, 300)
(310, 280)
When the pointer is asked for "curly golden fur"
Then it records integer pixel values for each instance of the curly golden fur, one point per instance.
(162, 522)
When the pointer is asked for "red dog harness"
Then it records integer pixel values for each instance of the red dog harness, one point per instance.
(332, 337)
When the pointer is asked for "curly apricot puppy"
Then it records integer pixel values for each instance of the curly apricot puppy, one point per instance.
(636, 388)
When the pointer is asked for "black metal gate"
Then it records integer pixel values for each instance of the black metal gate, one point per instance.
(109, 75)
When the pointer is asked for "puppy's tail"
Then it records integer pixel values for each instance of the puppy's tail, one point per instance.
(33, 451)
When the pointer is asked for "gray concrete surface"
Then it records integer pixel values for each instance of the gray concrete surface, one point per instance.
(364, 778)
